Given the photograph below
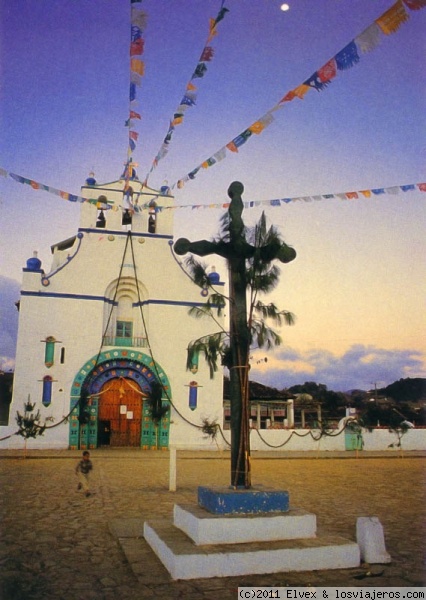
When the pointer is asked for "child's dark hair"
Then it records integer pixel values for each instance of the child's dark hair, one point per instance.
(86, 453)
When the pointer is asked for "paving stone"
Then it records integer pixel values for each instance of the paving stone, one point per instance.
(68, 541)
(125, 527)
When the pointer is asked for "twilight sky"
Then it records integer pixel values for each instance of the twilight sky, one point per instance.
(357, 287)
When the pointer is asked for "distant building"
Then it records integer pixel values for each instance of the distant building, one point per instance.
(106, 325)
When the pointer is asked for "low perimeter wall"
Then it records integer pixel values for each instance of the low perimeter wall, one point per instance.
(301, 440)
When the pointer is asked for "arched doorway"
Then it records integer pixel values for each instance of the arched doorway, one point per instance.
(110, 402)
(120, 413)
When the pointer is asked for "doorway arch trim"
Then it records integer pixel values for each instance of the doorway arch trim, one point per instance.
(111, 364)
(121, 361)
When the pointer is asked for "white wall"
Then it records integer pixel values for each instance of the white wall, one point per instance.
(301, 440)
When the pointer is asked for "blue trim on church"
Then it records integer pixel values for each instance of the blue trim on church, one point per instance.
(125, 233)
(43, 294)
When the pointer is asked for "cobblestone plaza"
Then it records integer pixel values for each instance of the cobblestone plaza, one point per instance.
(58, 544)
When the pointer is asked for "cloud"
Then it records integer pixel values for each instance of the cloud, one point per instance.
(9, 293)
(359, 367)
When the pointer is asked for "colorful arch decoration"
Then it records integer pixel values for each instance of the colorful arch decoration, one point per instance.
(108, 365)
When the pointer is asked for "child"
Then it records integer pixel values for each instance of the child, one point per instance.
(82, 470)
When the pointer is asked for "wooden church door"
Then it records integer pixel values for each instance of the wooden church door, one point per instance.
(120, 413)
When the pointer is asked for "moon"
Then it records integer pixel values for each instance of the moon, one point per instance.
(285, 7)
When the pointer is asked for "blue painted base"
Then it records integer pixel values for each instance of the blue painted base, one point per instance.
(229, 501)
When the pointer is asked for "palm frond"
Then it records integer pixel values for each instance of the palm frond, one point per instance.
(198, 271)
(270, 311)
(211, 346)
(263, 280)
(263, 336)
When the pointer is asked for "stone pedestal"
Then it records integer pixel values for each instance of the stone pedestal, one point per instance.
(230, 501)
(224, 541)
(371, 540)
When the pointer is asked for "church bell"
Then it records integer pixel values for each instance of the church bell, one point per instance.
(101, 222)
(127, 217)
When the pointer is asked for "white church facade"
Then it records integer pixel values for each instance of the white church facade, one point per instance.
(108, 326)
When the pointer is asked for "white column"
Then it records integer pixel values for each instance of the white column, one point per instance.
(172, 469)
(290, 413)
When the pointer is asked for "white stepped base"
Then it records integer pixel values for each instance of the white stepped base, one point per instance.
(207, 528)
(184, 560)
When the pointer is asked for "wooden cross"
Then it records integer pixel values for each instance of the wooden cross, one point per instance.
(236, 251)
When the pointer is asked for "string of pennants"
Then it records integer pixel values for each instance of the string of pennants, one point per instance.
(138, 22)
(189, 98)
(47, 188)
(369, 193)
(388, 23)
(394, 190)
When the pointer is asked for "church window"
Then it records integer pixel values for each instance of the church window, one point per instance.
(49, 352)
(47, 391)
(122, 314)
(62, 355)
(124, 332)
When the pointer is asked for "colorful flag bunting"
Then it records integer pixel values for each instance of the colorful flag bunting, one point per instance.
(189, 98)
(288, 97)
(369, 39)
(207, 54)
(393, 18)
(220, 154)
(137, 47)
(348, 57)
(137, 66)
(132, 92)
(242, 138)
(135, 33)
(138, 18)
(301, 91)
(328, 71)
(193, 173)
(221, 15)
(315, 82)
(388, 23)
(200, 70)
(232, 147)
(35, 185)
(138, 22)
(257, 127)
(135, 79)
(415, 4)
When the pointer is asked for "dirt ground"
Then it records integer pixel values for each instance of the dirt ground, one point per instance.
(57, 544)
